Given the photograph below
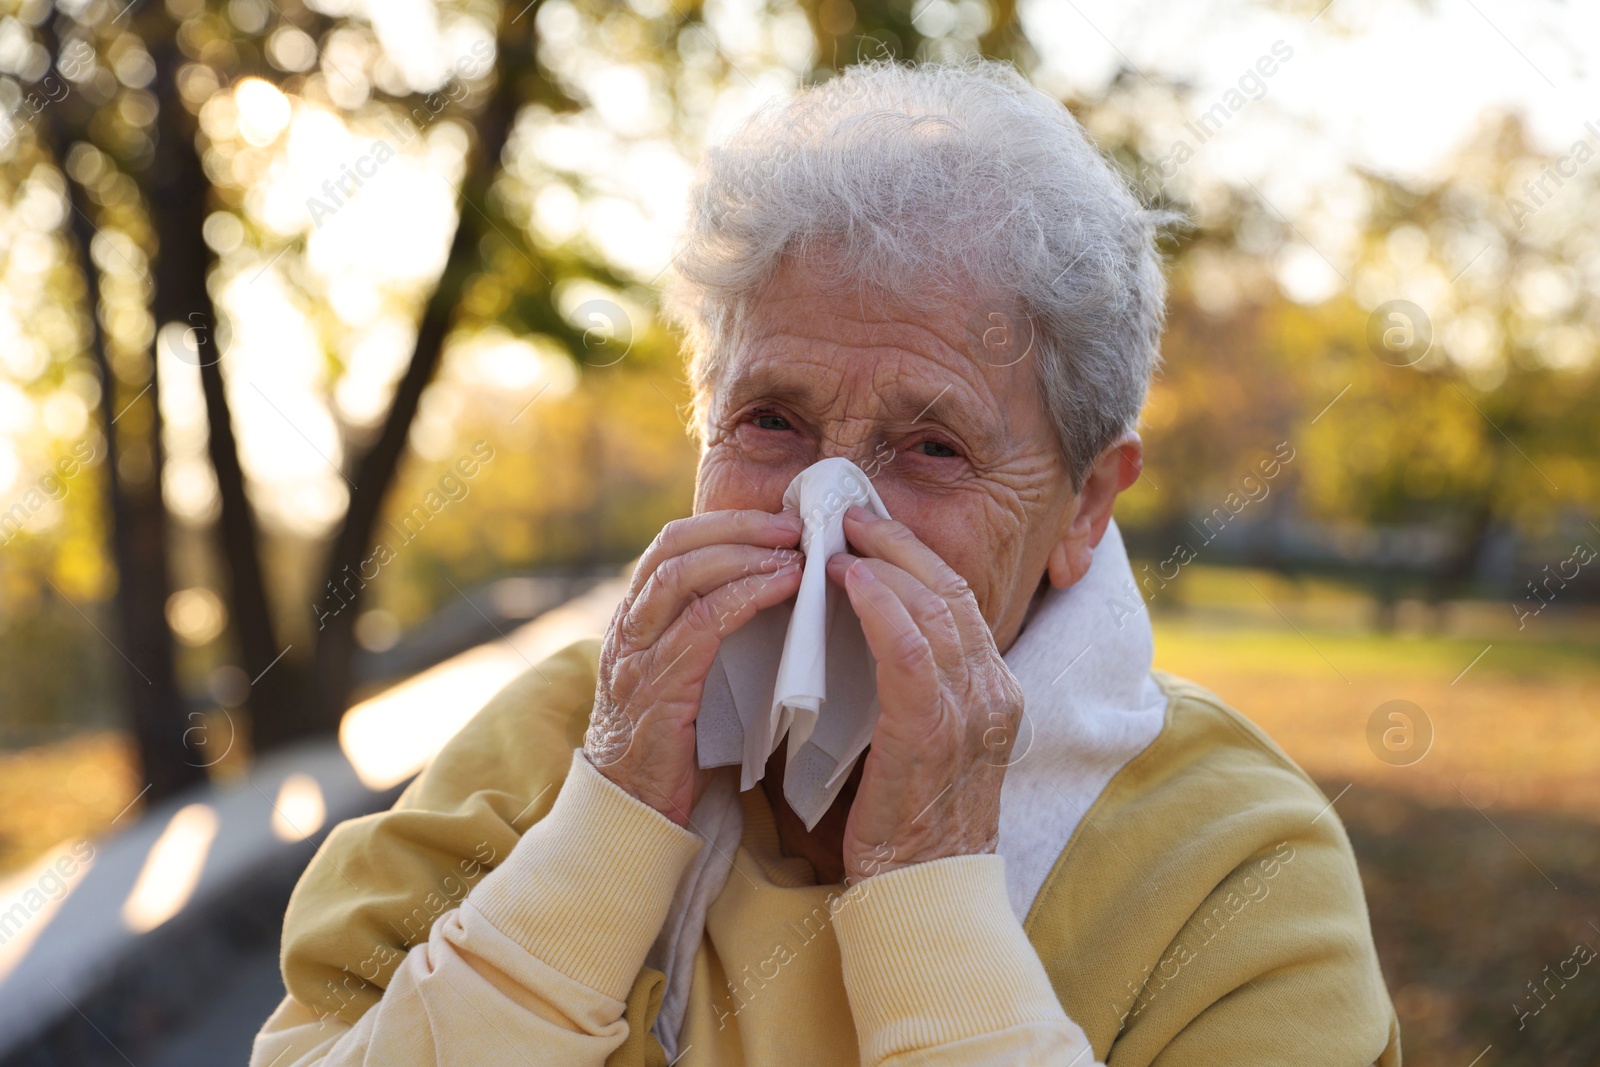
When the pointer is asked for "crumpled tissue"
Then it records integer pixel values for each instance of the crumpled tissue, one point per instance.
(800, 669)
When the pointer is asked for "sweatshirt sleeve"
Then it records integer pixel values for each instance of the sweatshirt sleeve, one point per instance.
(939, 972)
(540, 955)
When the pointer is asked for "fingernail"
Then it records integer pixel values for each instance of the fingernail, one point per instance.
(861, 573)
(788, 520)
(861, 514)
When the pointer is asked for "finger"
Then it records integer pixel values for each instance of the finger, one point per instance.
(686, 649)
(886, 539)
(930, 612)
(907, 676)
(681, 579)
(748, 527)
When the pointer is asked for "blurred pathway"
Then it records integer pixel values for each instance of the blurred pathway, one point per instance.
(157, 945)
(223, 1035)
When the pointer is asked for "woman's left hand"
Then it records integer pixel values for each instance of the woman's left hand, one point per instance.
(949, 707)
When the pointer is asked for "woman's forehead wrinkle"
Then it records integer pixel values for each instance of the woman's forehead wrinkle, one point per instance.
(759, 377)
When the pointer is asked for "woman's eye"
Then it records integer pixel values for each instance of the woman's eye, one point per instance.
(766, 420)
(937, 449)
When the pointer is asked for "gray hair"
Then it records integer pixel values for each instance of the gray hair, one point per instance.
(917, 180)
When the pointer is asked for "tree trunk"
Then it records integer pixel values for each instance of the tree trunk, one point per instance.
(376, 470)
(134, 506)
(138, 538)
(177, 189)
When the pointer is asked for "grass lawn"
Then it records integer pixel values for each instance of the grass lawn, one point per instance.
(63, 792)
(1482, 859)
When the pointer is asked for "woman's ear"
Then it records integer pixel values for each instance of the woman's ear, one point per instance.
(1116, 468)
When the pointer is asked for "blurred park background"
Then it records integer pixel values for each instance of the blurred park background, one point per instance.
(329, 354)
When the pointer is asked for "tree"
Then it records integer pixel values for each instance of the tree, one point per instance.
(172, 194)
(517, 81)
(145, 180)
(138, 519)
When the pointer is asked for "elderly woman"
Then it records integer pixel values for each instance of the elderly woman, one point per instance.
(1049, 854)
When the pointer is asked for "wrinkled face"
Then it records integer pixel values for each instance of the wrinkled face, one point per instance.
(955, 436)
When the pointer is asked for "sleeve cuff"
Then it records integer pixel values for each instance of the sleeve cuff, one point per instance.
(932, 955)
(588, 887)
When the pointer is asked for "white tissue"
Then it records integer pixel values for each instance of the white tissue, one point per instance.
(801, 668)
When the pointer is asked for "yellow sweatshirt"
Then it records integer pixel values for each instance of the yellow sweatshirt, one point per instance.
(1206, 911)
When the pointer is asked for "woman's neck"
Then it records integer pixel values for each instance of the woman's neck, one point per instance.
(823, 845)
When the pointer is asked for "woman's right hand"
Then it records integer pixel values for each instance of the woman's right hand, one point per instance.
(701, 579)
